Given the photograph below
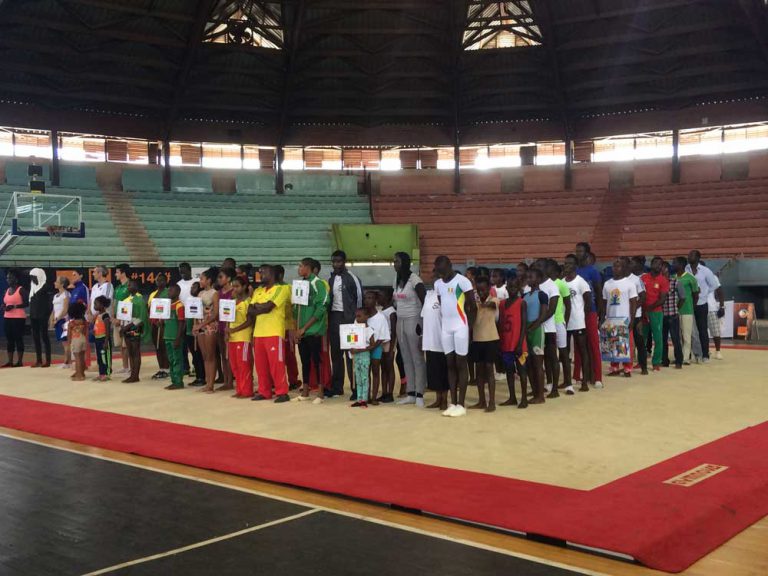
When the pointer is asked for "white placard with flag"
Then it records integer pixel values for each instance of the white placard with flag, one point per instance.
(353, 336)
(227, 310)
(193, 308)
(124, 311)
(160, 309)
(300, 292)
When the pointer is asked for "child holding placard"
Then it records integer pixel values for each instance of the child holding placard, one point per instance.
(197, 356)
(173, 334)
(225, 278)
(158, 340)
(102, 337)
(238, 336)
(361, 358)
(206, 329)
(380, 326)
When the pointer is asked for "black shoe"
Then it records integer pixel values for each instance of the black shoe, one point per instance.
(197, 383)
(282, 398)
(388, 398)
(157, 375)
(353, 397)
(294, 386)
(256, 397)
(329, 394)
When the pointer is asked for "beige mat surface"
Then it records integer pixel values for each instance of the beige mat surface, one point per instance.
(579, 441)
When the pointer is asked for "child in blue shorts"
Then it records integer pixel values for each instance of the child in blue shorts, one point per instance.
(379, 324)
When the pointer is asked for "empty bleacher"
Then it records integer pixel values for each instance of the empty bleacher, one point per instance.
(484, 224)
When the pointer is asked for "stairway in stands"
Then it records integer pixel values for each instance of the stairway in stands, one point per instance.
(133, 233)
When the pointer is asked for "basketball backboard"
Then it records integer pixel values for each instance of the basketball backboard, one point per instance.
(43, 214)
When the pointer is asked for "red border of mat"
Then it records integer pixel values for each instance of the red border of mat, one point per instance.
(663, 526)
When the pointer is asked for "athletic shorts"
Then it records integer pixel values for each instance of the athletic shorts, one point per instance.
(377, 352)
(536, 341)
(511, 359)
(457, 341)
(59, 330)
(78, 345)
(713, 323)
(485, 352)
(562, 335)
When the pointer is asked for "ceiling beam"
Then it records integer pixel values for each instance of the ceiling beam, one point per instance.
(130, 8)
(194, 41)
(291, 40)
(756, 14)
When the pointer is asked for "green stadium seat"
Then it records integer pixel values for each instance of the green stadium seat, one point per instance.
(80, 177)
(146, 179)
(255, 183)
(183, 181)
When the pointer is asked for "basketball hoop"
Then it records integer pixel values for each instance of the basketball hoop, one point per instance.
(55, 232)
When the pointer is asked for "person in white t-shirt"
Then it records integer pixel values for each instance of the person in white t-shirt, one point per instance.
(458, 308)
(620, 302)
(185, 287)
(432, 345)
(637, 264)
(379, 323)
(551, 347)
(581, 305)
(706, 311)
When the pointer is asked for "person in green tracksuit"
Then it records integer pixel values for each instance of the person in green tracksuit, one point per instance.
(173, 331)
(311, 326)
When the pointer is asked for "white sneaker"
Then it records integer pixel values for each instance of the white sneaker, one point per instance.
(598, 384)
(301, 398)
(65, 366)
(317, 400)
(449, 412)
(407, 400)
(718, 355)
(569, 390)
(458, 410)
(419, 402)
(547, 388)
(123, 371)
(705, 360)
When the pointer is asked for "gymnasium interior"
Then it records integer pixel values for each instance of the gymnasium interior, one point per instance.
(151, 133)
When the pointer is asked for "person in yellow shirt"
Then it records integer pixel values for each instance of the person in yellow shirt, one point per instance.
(268, 312)
(238, 334)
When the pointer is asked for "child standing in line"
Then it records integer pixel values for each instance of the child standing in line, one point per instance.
(514, 348)
(173, 331)
(238, 334)
(536, 306)
(136, 331)
(485, 347)
(386, 299)
(380, 326)
(362, 359)
(431, 344)
(102, 337)
(78, 328)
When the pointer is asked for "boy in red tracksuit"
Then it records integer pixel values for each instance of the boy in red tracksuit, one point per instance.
(238, 334)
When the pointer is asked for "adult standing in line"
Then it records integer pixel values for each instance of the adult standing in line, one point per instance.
(268, 309)
(708, 284)
(656, 290)
(79, 292)
(121, 292)
(40, 306)
(185, 289)
(458, 309)
(345, 298)
(15, 300)
(409, 300)
(588, 271)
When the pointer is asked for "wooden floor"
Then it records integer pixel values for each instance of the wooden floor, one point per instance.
(746, 554)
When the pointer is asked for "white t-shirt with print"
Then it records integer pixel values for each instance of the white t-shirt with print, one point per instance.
(617, 294)
(452, 302)
(380, 325)
(432, 326)
(578, 287)
(406, 300)
(550, 289)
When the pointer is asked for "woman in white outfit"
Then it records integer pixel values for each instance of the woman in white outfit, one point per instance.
(409, 298)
